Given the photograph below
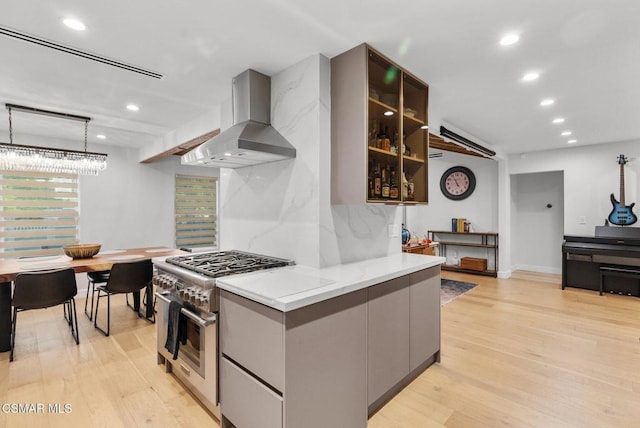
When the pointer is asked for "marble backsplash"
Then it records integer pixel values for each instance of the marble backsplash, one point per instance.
(284, 208)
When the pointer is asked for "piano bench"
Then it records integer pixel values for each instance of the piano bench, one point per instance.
(617, 272)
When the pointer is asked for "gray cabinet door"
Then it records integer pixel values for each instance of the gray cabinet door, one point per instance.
(388, 336)
(245, 401)
(252, 335)
(425, 315)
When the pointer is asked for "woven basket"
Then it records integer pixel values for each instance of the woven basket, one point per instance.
(81, 251)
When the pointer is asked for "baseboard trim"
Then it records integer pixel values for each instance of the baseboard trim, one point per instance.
(539, 269)
(504, 274)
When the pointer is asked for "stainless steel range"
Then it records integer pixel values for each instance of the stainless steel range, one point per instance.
(190, 280)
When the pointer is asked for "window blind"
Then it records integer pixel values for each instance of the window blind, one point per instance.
(38, 213)
(196, 211)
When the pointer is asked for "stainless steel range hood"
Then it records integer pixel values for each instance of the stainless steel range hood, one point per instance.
(251, 140)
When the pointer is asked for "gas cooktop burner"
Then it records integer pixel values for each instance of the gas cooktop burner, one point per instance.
(226, 262)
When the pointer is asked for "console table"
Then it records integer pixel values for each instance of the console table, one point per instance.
(468, 240)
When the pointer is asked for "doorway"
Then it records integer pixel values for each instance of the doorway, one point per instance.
(537, 222)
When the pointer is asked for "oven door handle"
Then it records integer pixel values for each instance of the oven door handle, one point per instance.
(203, 322)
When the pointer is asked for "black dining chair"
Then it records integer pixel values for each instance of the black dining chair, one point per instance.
(39, 290)
(129, 277)
(99, 277)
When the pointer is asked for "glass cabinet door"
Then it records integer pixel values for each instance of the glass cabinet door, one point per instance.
(415, 140)
(384, 126)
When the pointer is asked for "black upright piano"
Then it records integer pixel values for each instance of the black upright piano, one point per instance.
(608, 262)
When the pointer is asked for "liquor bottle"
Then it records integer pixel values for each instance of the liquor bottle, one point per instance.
(394, 143)
(370, 193)
(387, 139)
(381, 137)
(385, 184)
(393, 187)
(411, 190)
(405, 187)
(377, 182)
(373, 133)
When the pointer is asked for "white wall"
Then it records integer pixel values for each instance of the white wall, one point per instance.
(273, 208)
(283, 208)
(536, 228)
(591, 174)
(130, 204)
(481, 208)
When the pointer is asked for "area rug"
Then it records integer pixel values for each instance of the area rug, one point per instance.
(450, 290)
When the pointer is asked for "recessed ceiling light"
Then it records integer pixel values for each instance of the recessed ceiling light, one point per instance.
(572, 141)
(509, 39)
(558, 120)
(547, 102)
(74, 24)
(101, 137)
(424, 127)
(132, 107)
(565, 133)
(530, 76)
(227, 154)
(388, 113)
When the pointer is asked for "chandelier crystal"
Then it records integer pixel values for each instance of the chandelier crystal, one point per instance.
(16, 157)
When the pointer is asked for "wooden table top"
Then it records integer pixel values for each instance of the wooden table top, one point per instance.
(10, 268)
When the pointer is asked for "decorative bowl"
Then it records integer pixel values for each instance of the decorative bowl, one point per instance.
(81, 251)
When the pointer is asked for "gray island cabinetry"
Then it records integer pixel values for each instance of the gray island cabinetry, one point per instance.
(303, 347)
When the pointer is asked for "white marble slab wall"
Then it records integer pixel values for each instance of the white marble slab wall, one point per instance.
(284, 208)
(273, 208)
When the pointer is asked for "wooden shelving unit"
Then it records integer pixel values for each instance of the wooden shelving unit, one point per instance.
(487, 240)
(379, 121)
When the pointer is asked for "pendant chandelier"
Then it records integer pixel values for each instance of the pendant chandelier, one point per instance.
(33, 158)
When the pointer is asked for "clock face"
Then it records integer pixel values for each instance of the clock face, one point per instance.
(458, 183)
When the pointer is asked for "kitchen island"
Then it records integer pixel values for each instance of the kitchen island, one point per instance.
(325, 347)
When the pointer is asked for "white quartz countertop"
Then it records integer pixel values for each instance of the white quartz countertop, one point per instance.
(293, 287)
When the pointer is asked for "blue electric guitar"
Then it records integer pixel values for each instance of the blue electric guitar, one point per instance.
(621, 214)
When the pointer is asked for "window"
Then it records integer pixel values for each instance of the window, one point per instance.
(38, 213)
(196, 211)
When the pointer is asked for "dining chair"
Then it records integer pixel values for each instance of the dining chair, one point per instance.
(129, 277)
(99, 277)
(39, 290)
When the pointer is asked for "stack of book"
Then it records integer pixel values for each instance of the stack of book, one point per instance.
(459, 225)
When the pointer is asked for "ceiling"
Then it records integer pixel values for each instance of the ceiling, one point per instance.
(587, 53)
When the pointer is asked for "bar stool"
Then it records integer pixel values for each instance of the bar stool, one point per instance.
(99, 277)
(39, 290)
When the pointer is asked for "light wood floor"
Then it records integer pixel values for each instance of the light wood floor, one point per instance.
(521, 352)
(517, 352)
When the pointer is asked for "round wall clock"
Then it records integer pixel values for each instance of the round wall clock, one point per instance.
(457, 183)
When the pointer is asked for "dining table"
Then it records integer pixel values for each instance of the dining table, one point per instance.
(103, 261)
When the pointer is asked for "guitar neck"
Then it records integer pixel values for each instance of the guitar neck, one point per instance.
(622, 203)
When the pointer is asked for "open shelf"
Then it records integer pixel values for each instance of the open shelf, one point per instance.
(382, 151)
(410, 159)
(467, 244)
(462, 240)
(377, 103)
(491, 272)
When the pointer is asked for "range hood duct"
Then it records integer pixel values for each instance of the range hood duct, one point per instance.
(251, 140)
